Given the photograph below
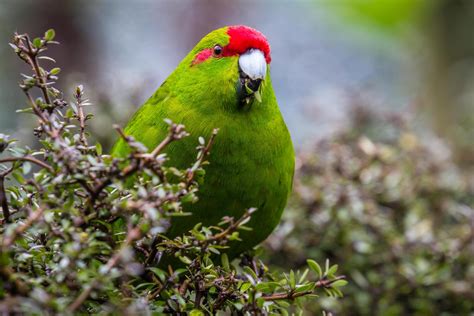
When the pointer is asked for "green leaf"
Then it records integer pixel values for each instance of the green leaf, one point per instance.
(303, 276)
(49, 35)
(313, 265)
(258, 96)
(159, 273)
(292, 279)
(332, 270)
(249, 271)
(305, 287)
(245, 286)
(37, 42)
(185, 260)
(55, 71)
(98, 149)
(225, 262)
(337, 292)
(26, 167)
(27, 110)
(267, 286)
(284, 304)
(18, 177)
(339, 283)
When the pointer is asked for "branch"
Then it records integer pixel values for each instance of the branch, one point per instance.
(39, 113)
(204, 152)
(3, 195)
(233, 227)
(286, 296)
(162, 145)
(30, 159)
(80, 115)
(205, 242)
(176, 132)
(33, 61)
(324, 283)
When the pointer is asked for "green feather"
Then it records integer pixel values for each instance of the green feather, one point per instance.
(252, 159)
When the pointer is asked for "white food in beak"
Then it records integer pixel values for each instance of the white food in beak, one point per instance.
(253, 64)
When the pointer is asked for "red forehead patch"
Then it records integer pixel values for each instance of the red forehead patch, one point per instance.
(243, 38)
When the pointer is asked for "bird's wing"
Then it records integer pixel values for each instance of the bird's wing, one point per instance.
(146, 125)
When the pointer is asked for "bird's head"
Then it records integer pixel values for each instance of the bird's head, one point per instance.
(230, 63)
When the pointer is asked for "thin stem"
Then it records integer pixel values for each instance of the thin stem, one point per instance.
(36, 110)
(285, 296)
(30, 159)
(205, 151)
(132, 168)
(3, 195)
(292, 295)
(158, 149)
(233, 227)
(81, 117)
(199, 292)
(32, 53)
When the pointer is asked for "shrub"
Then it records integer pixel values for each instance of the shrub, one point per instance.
(394, 208)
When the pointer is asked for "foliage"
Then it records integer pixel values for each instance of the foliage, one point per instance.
(80, 231)
(388, 16)
(394, 209)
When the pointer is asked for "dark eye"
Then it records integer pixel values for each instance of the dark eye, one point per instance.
(217, 50)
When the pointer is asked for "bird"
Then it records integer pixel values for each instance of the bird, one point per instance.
(224, 82)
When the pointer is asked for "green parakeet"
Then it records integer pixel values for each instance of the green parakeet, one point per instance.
(224, 82)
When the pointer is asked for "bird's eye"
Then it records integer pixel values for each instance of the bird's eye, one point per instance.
(217, 50)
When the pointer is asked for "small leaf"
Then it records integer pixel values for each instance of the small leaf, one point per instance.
(49, 35)
(248, 90)
(196, 312)
(303, 276)
(332, 270)
(337, 292)
(18, 177)
(27, 110)
(158, 272)
(258, 96)
(245, 286)
(225, 262)
(339, 283)
(313, 265)
(306, 287)
(26, 167)
(251, 273)
(47, 58)
(292, 279)
(185, 260)
(98, 149)
(55, 71)
(37, 42)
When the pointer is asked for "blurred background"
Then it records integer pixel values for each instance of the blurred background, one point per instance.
(378, 96)
(127, 48)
